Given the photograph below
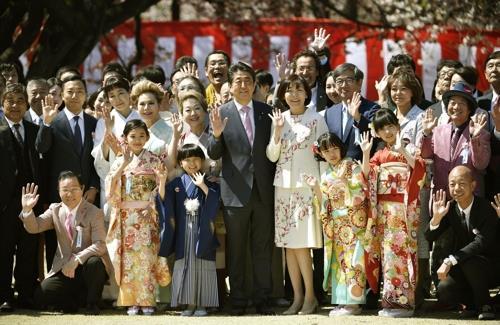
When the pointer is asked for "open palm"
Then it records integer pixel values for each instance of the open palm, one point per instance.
(29, 196)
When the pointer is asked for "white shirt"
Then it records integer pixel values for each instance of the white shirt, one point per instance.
(37, 119)
(21, 127)
(314, 97)
(494, 98)
(345, 117)
(70, 116)
(71, 211)
(242, 114)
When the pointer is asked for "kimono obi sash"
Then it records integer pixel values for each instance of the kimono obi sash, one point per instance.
(393, 181)
(138, 185)
(135, 204)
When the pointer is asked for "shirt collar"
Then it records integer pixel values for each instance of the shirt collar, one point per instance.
(70, 115)
(239, 106)
(73, 211)
(494, 96)
(466, 211)
(34, 115)
(11, 124)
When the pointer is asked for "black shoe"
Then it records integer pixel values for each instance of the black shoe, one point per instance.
(6, 307)
(238, 311)
(486, 313)
(280, 302)
(92, 309)
(467, 314)
(264, 310)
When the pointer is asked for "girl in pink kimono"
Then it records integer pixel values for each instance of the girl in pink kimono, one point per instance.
(394, 180)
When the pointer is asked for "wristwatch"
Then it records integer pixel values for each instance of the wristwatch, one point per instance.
(448, 262)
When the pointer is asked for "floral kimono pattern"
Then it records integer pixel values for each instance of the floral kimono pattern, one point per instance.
(392, 226)
(343, 214)
(133, 238)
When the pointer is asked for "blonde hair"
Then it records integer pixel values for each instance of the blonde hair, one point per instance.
(196, 96)
(146, 86)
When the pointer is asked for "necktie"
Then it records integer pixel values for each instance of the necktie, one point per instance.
(464, 220)
(454, 140)
(17, 134)
(78, 135)
(67, 225)
(247, 123)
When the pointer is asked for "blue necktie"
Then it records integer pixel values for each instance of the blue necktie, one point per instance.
(78, 136)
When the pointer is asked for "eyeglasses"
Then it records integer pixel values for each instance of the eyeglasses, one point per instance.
(69, 190)
(346, 81)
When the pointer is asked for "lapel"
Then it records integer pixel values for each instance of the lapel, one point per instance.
(461, 142)
(445, 137)
(335, 119)
(259, 117)
(81, 213)
(348, 128)
(64, 239)
(7, 144)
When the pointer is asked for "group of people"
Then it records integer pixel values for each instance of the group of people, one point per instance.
(161, 192)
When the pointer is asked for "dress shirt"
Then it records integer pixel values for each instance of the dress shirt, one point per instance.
(13, 129)
(37, 119)
(70, 116)
(242, 114)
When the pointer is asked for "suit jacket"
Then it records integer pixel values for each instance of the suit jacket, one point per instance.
(9, 167)
(56, 142)
(472, 152)
(89, 218)
(481, 238)
(333, 118)
(484, 101)
(243, 164)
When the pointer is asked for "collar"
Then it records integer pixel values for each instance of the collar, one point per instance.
(11, 124)
(73, 211)
(494, 96)
(70, 115)
(34, 115)
(466, 211)
(239, 106)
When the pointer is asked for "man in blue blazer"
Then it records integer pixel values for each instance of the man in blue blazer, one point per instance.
(241, 131)
(349, 121)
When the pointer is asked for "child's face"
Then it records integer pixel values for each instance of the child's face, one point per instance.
(136, 139)
(331, 155)
(388, 133)
(191, 165)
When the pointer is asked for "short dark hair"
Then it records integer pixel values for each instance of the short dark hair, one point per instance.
(468, 74)
(38, 80)
(199, 84)
(67, 68)
(54, 82)
(116, 82)
(115, 67)
(399, 60)
(17, 88)
(16, 66)
(135, 124)
(287, 83)
(409, 80)
(93, 97)
(240, 66)
(327, 140)
(384, 117)
(226, 56)
(306, 53)
(345, 67)
(449, 64)
(74, 78)
(152, 72)
(189, 150)
(264, 77)
(493, 55)
(171, 78)
(185, 59)
(65, 174)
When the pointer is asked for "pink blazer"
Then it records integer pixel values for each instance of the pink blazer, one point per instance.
(474, 153)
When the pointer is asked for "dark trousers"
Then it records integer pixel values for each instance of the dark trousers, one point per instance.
(318, 273)
(468, 282)
(68, 294)
(15, 240)
(258, 219)
(50, 247)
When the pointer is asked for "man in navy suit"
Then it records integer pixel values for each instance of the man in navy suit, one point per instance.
(241, 131)
(65, 138)
(351, 117)
(492, 74)
(473, 264)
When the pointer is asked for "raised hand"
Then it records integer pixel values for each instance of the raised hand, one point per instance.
(496, 204)
(320, 38)
(29, 197)
(112, 141)
(429, 122)
(353, 106)
(477, 123)
(310, 180)
(161, 173)
(189, 69)
(218, 125)
(177, 125)
(277, 118)
(440, 206)
(128, 155)
(109, 121)
(282, 66)
(382, 84)
(366, 142)
(49, 109)
(198, 179)
(495, 114)
(398, 145)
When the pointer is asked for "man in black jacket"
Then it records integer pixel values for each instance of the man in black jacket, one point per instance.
(473, 264)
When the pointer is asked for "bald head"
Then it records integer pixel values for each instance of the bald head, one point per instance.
(461, 184)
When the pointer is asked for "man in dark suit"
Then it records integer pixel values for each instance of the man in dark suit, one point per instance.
(492, 74)
(19, 164)
(65, 138)
(351, 117)
(473, 264)
(37, 90)
(241, 130)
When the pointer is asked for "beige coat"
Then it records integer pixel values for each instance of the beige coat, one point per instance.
(89, 218)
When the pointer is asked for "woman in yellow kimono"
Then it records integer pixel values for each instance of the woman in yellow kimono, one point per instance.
(134, 236)
(341, 192)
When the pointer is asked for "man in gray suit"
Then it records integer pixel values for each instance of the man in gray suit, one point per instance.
(241, 130)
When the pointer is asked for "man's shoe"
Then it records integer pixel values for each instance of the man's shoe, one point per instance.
(486, 313)
(6, 307)
(264, 310)
(92, 309)
(238, 311)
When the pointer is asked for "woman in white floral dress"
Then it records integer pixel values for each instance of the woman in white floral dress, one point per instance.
(296, 226)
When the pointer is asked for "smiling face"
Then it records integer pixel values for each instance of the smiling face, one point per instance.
(461, 185)
(400, 94)
(331, 90)
(136, 139)
(346, 85)
(295, 97)
(14, 106)
(242, 87)
(216, 69)
(36, 92)
(148, 108)
(388, 133)
(186, 85)
(55, 92)
(119, 98)
(74, 95)
(332, 155)
(191, 165)
(193, 113)
(458, 110)
(306, 68)
(70, 191)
